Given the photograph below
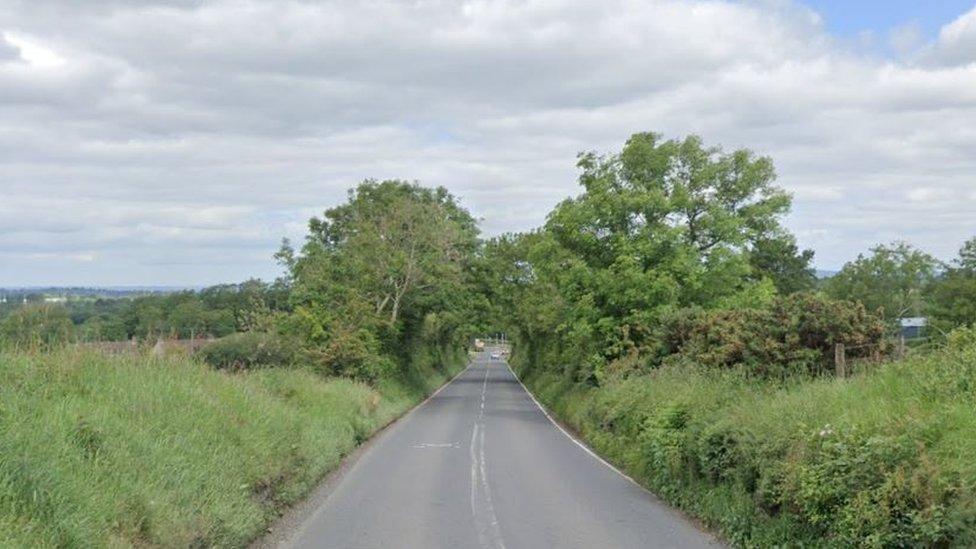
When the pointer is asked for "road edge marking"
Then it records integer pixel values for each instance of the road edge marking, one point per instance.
(716, 538)
(575, 440)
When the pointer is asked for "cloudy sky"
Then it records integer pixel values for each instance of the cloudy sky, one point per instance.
(176, 143)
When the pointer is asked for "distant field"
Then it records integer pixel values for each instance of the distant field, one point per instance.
(129, 450)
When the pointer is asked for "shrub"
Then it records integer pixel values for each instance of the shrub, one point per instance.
(869, 489)
(248, 350)
(718, 452)
(351, 353)
(794, 335)
(962, 338)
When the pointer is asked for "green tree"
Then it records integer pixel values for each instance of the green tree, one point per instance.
(147, 317)
(390, 244)
(778, 258)
(891, 279)
(247, 305)
(663, 224)
(189, 318)
(967, 257)
(953, 295)
(101, 328)
(392, 264)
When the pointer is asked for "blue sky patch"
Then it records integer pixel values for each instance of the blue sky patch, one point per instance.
(852, 17)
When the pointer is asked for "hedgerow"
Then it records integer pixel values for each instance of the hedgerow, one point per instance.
(880, 460)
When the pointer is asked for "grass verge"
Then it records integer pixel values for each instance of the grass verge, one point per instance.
(125, 451)
(886, 459)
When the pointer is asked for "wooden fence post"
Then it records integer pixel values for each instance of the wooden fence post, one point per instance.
(840, 360)
(902, 350)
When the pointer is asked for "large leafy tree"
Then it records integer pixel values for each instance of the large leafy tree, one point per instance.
(891, 279)
(393, 244)
(660, 225)
(663, 223)
(391, 262)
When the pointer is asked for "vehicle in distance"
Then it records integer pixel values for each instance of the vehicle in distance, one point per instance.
(495, 356)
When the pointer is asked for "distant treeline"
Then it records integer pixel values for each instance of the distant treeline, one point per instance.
(211, 312)
(39, 293)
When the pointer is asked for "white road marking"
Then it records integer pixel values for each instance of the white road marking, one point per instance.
(486, 521)
(474, 485)
(436, 445)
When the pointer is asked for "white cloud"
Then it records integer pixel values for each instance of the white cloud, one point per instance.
(957, 41)
(33, 52)
(202, 133)
(8, 51)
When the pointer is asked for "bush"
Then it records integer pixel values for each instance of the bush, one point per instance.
(351, 353)
(869, 490)
(962, 338)
(248, 350)
(794, 335)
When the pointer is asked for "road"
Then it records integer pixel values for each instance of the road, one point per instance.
(480, 465)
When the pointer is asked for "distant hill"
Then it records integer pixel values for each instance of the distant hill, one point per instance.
(825, 273)
(83, 291)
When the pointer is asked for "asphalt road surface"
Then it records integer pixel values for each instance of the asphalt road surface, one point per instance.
(480, 465)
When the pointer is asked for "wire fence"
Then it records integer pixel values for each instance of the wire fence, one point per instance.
(856, 359)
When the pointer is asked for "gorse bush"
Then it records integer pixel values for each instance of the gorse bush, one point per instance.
(248, 350)
(961, 338)
(796, 334)
(351, 353)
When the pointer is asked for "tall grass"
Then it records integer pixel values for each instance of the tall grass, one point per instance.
(136, 451)
(886, 459)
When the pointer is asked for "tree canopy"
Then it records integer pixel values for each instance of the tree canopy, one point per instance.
(394, 260)
(661, 225)
(952, 297)
(891, 279)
